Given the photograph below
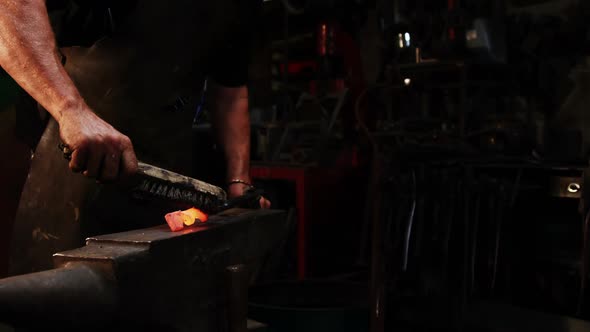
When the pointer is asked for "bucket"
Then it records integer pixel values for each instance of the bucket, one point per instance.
(310, 306)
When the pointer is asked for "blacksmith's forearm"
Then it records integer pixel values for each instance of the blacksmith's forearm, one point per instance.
(28, 52)
(231, 121)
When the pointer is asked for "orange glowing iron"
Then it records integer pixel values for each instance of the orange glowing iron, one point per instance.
(178, 219)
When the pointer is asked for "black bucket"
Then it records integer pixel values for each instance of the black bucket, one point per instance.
(310, 306)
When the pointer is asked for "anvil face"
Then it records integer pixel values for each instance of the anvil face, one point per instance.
(148, 276)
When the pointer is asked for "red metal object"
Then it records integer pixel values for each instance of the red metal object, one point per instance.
(331, 41)
(451, 7)
(452, 34)
(320, 195)
(325, 39)
(297, 175)
(322, 39)
(299, 66)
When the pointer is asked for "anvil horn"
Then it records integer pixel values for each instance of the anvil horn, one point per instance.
(56, 296)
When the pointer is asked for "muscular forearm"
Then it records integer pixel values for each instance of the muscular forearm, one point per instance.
(231, 121)
(29, 54)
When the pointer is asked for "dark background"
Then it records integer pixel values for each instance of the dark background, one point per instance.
(461, 156)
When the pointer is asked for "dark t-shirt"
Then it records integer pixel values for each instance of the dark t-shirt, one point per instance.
(83, 22)
(138, 58)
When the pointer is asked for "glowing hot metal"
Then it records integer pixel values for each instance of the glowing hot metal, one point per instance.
(178, 219)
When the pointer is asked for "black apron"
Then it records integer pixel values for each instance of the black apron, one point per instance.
(157, 54)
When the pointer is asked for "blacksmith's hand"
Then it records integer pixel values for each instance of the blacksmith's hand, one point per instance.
(239, 189)
(99, 151)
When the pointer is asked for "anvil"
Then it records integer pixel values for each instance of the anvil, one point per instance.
(148, 277)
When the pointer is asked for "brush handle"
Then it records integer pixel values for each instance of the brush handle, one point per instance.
(179, 180)
(250, 200)
(162, 184)
(165, 185)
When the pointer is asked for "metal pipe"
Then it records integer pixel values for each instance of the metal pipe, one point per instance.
(237, 298)
(408, 233)
(377, 276)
